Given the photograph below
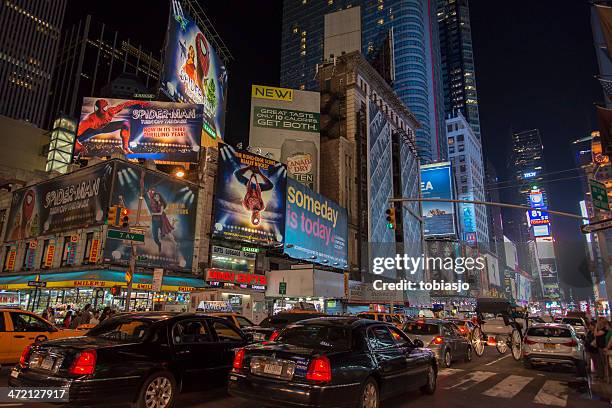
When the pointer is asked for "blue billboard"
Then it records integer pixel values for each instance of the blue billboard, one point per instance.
(316, 228)
(193, 72)
(438, 217)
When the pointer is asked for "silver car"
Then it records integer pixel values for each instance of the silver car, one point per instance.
(441, 337)
(577, 323)
(554, 343)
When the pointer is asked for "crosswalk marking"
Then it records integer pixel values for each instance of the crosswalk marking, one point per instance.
(471, 379)
(445, 372)
(552, 393)
(509, 387)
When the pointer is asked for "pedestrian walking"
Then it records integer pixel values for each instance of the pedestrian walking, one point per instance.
(67, 319)
(601, 330)
(95, 319)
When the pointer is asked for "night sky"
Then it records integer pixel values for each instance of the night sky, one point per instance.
(534, 60)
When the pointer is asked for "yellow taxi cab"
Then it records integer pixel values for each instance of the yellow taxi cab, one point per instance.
(395, 318)
(20, 328)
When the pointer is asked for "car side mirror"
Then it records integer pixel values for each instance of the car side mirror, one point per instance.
(418, 343)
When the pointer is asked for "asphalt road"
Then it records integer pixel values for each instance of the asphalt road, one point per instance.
(492, 380)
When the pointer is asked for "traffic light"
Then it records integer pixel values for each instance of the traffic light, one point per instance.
(125, 218)
(391, 222)
(115, 290)
(112, 215)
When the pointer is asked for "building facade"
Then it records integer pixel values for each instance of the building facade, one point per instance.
(30, 33)
(368, 155)
(465, 154)
(410, 26)
(458, 72)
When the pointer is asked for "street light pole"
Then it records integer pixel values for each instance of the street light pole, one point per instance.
(132, 265)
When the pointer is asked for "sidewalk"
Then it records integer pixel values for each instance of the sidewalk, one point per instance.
(601, 389)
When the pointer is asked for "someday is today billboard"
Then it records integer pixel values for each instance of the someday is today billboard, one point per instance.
(250, 198)
(139, 129)
(316, 228)
(193, 72)
(437, 182)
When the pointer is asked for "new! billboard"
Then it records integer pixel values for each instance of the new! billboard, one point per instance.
(139, 129)
(316, 228)
(167, 214)
(437, 182)
(193, 71)
(76, 200)
(250, 198)
(286, 124)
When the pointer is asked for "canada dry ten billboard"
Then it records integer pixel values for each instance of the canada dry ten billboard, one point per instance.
(316, 228)
(437, 182)
(250, 198)
(193, 72)
(139, 129)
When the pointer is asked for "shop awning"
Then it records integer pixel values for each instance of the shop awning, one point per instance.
(101, 278)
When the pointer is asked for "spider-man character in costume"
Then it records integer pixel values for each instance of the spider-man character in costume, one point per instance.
(252, 200)
(101, 121)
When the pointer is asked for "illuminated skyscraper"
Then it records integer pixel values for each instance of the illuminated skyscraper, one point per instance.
(29, 37)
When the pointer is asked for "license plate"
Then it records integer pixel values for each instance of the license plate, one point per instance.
(47, 363)
(14, 373)
(273, 369)
(550, 346)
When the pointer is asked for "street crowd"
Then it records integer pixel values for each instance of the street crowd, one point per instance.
(73, 318)
(598, 345)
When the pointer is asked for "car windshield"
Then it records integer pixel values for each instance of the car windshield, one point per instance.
(122, 329)
(421, 328)
(244, 322)
(573, 321)
(536, 319)
(316, 336)
(549, 332)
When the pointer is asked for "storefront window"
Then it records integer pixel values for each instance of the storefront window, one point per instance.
(88, 242)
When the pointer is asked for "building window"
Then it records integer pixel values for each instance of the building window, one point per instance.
(44, 253)
(449, 128)
(7, 251)
(88, 243)
(461, 148)
(24, 265)
(462, 168)
(460, 138)
(451, 140)
(65, 250)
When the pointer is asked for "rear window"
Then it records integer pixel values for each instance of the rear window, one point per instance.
(316, 336)
(280, 321)
(423, 328)
(573, 321)
(122, 329)
(549, 332)
(366, 316)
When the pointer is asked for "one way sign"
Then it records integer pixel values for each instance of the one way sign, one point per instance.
(596, 226)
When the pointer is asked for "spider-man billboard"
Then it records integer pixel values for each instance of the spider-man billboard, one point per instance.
(194, 73)
(76, 200)
(139, 129)
(250, 198)
(167, 216)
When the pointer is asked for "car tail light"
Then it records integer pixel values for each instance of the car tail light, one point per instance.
(463, 330)
(25, 355)
(85, 363)
(438, 340)
(527, 340)
(319, 370)
(274, 335)
(571, 343)
(238, 360)
(491, 342)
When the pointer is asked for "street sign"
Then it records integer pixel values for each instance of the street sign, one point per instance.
(596, 226)
(125, 235)
(37, 284)
(251, 249)
(599, 195)
(282, 288)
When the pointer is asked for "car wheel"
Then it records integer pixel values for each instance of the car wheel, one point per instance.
(448, 359)
(158, 391)
(477, 342)
(369, 395)
(468, 354)
(432, 381)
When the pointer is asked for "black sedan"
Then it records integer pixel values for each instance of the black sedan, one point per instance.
(333, 362)
(271, 326)
(141, 358)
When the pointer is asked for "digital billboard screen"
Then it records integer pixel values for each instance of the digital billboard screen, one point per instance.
(538, 217)
(541, 231)
(250, 198)
(193, 71)
(167, 213)
(139, 129)
(76, 200)
(437, 182)
(536, 199)
(316, 228)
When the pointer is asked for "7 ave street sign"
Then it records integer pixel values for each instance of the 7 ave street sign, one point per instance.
(128, 236)
(596, 226)
(599, 195)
